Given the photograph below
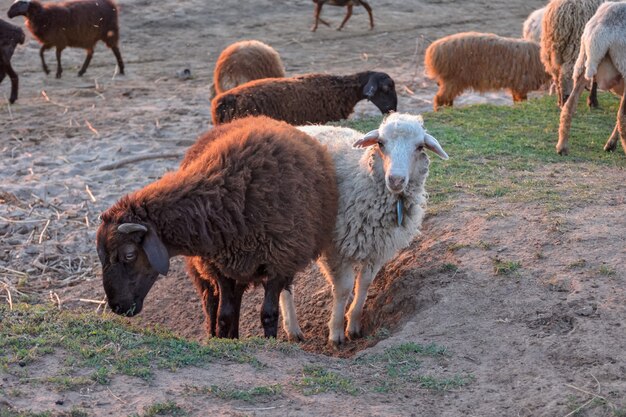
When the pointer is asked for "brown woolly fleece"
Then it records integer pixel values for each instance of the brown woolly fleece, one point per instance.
(10, 36)
(77, 23)
(311, 98)
(253, 201)
(563, 25)
(246, 61)
(483, 62)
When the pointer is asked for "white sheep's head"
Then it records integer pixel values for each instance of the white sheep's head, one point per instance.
(401, 140)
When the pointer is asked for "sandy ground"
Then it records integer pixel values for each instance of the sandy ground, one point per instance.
(526, 338)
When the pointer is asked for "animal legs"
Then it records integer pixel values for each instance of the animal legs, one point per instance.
(592, 100)
(59, 67)
(269, 311)
(5, 64)
(118, 56)
(288, 311)
(86, 63)
(226, 310)
(444, 97)
(519, 96)
(316, 13)
(348, 15)
(621, 121)
(43, 49)
(369, 12)
(611, 144)
(233, 333)
(567, 113)
(341, 277)
(363, 282)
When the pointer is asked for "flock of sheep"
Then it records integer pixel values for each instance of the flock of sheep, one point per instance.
(269, 189)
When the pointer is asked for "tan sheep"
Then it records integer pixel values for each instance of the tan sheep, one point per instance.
(483, 62)
(245, 61)
(562, 26)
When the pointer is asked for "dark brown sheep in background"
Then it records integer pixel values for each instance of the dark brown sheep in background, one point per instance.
(245, 61)
(253, 202)
(343, 3)
(10, 36)
(312, 98)
(483, 62)
(79, 24)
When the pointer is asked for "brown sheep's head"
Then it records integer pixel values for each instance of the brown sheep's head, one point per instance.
(381, 90)
(132, 257)
(19, 8)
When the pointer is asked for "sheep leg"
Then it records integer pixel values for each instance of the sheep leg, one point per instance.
(269, 311)
(5, 64)
(519, 96)
(567, 113)
(363, 282)
(611, 144)
(59, 68)
(2, 73)
(43, 49)
(86, 63)
(369, 11)
(341, 276)
(592, 100)
(226, 311)
(621, 121)
(288, 311)
(208, 292)
(233, 333)
(444, 97)
(318, 10)
(348, 15)
(118, 56)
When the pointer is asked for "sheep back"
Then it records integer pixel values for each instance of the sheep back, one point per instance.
(10, 36)
(531, 30)
(246, 61)
(465, 60)
(79, 23)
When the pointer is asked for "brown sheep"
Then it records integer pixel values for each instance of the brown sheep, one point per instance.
(245, 61)
(343, 3)
(562, 26)
(466, 60)
(311, 98)
(10, 36)
(77, 23)
(253, 203)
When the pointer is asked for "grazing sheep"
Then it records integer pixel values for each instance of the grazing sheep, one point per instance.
(77, 23)
(381, 206)
(531, 31)
(466, 60)
(10, 36)
(347, 3)
(602, 58)
(312, 98)
(563, 24)
(245, 61)
(253, 203)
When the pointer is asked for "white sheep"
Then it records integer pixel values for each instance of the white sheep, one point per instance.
(602, 58)
(381, 206)
(531, 31)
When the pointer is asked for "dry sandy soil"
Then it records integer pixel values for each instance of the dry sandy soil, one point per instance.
(527, 338)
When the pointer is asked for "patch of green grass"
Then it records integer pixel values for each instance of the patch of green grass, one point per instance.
(449, 267)
(247, 394)
(607, 271)
(169, 408)
(67, 383)
(4, 412)
(509, 151)
(457, 246)
(108, 345)
(316, 380)
(501, 267)
(484, 245)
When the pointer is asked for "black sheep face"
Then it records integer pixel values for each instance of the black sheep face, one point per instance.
(381, 90)
(132, 256)
(19, 8)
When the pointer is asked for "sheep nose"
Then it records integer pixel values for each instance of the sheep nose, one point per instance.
(396, 183)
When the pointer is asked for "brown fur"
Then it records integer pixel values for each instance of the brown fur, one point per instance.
(246, 61)
(349, 4)
(312, 98)
(77, 23)
(256, 202)
(467, 60)
(10, 36)
(562, 26)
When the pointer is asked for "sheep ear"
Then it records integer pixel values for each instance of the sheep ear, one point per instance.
(156, 252)
(370, 88)
(432, 144)
(368, 140)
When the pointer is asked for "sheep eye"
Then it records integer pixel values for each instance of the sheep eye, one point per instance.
(420, 148)
(381, 145)
(130, 256)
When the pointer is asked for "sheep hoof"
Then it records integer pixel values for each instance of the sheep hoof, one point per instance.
(336, 343)
(562, 152)
(81, 73)
(58, 75)
(355, 334)
(610, 147)
(297, 337)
